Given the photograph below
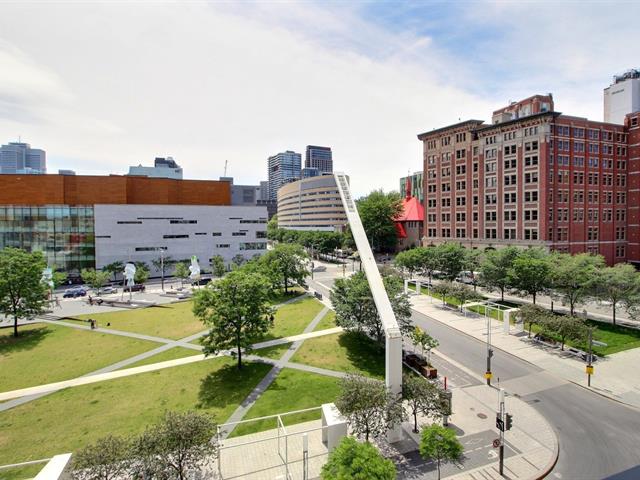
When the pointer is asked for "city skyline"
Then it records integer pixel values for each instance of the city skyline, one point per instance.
(388, 72)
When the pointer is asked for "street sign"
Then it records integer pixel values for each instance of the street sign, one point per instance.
(589, 369)
(488, 375)
(496, 443)
(499, 424)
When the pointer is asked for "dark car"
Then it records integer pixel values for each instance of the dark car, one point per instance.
(135, 288)
(74, 292)
(202, 281)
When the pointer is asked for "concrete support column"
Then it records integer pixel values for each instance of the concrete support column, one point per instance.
(506, 321)
(406, 286)
(418, 287)
(393, 374)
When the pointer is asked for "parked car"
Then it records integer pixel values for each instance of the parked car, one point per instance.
(74, 292)
(320, 268)
(135, 288)
(202, 281)
(108, 289)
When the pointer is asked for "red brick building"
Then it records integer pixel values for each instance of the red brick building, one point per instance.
(535, 177)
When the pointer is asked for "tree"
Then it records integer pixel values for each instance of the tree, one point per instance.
(472, 262)
(617, 284)
(463, 293)
(177, 446)
(429, 261)
(94, 278)
(494, 270)
(161, 264)
(286, 265)
(236, 310)
(142, 273)
(272, 228)
(532, 315)
(422, 397)
(106, 459)
(352, 460)
(426, 342)
(440, 444)
(530, 272)
(572, 276)
(565, 327)
(409, 260)
(238, 260)
(219, 268)
(181, 271)
(378, 212)
(356, 310)
(444, 290)
(23, 294)
(368, 406)
(114, 269)
(451, 259)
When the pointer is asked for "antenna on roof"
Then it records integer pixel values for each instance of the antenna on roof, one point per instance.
(225, 167)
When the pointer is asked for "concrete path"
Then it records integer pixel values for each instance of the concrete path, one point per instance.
(611, 378)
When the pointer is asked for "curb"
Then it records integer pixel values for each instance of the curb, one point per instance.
(552, 463)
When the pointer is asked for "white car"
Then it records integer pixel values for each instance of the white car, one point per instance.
(108, 289)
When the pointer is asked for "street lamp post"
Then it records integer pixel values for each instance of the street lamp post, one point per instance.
(488, 373)
(592, 342)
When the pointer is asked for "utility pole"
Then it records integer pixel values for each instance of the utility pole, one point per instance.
(162, 266)
(501, 417)
(488, 373)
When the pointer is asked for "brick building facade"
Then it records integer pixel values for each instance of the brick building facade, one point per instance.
(535, 177)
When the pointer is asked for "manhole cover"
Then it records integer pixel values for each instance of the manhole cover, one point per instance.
(482, 415)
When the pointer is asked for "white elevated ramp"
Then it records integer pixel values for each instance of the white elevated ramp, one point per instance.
(393, 350)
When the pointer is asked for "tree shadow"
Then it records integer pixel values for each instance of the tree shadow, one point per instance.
(26, 340)
(364, 353)
(228, 385)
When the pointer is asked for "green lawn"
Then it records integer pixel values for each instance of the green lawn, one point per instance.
(69, 419)
(274, 352)
(45, 353)
(293, 318)
(345, 352)
(174, 321)
(281, 297)
(22, 473)
(328, 321)
(171, 354)
(291, 390)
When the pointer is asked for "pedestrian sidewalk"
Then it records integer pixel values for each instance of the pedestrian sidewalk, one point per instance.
(611, 377)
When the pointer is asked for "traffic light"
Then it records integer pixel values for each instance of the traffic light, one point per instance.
(490, 352)
(508, 421)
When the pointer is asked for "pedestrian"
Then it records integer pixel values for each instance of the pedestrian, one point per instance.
(90, 300)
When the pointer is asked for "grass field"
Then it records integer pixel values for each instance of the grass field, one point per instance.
(292, 318)
(280, 297)
(69, 419)
(45, 353)
(291, 390)
(274, 352)
(171, 354)
(344, 352)
(328, 321)
(174, 321)
(21, 473)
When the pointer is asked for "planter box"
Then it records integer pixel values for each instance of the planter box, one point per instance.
(430, 372)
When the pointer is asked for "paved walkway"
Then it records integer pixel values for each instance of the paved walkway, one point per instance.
(612, 373)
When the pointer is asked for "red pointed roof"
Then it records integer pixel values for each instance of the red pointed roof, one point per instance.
(402, 233)
(412, 211)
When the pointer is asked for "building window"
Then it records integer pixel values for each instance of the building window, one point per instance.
(509, 233)
(222, 245)
(529, 196)
(620, 251)
(530, 234)
(531, 177)
(175, 236)
(510, 215)
(253, 246)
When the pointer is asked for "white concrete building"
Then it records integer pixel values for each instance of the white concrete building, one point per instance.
(140, 232)
(622, 97)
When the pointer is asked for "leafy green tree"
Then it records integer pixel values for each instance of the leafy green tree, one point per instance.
(368, 406)
(378, 212)
(58, 277)
(422, 397)
(425, 341)
(163, 265)
(286, 265)
(429, 261)
(572, 276)
(617, 284)
(564, 327)
(142, 273)
(356, 310)
(409, 260)
(114, 269)
(352, 460)
(532, 315)
(23, 294)
(236, 310)
(443, 290)
(440, 444)
(451, 259)
(176, 447)
(182, 272)
(219, 268)
(272, 228)
(95, 278)
(472, 262)
(238, 260)
(530, 272)
(109, 458)
(494, 270)
(463, 293)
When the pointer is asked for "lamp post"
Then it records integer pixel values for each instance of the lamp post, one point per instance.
(488, 373)
(592, 342)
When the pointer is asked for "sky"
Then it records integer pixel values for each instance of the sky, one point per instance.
(104, 85)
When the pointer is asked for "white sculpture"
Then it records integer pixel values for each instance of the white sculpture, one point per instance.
(129, 274)
(194, 269)
(47, 277)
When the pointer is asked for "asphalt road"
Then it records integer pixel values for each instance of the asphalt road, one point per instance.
(598, 437)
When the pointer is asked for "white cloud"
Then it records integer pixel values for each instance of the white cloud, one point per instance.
(209, 85)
